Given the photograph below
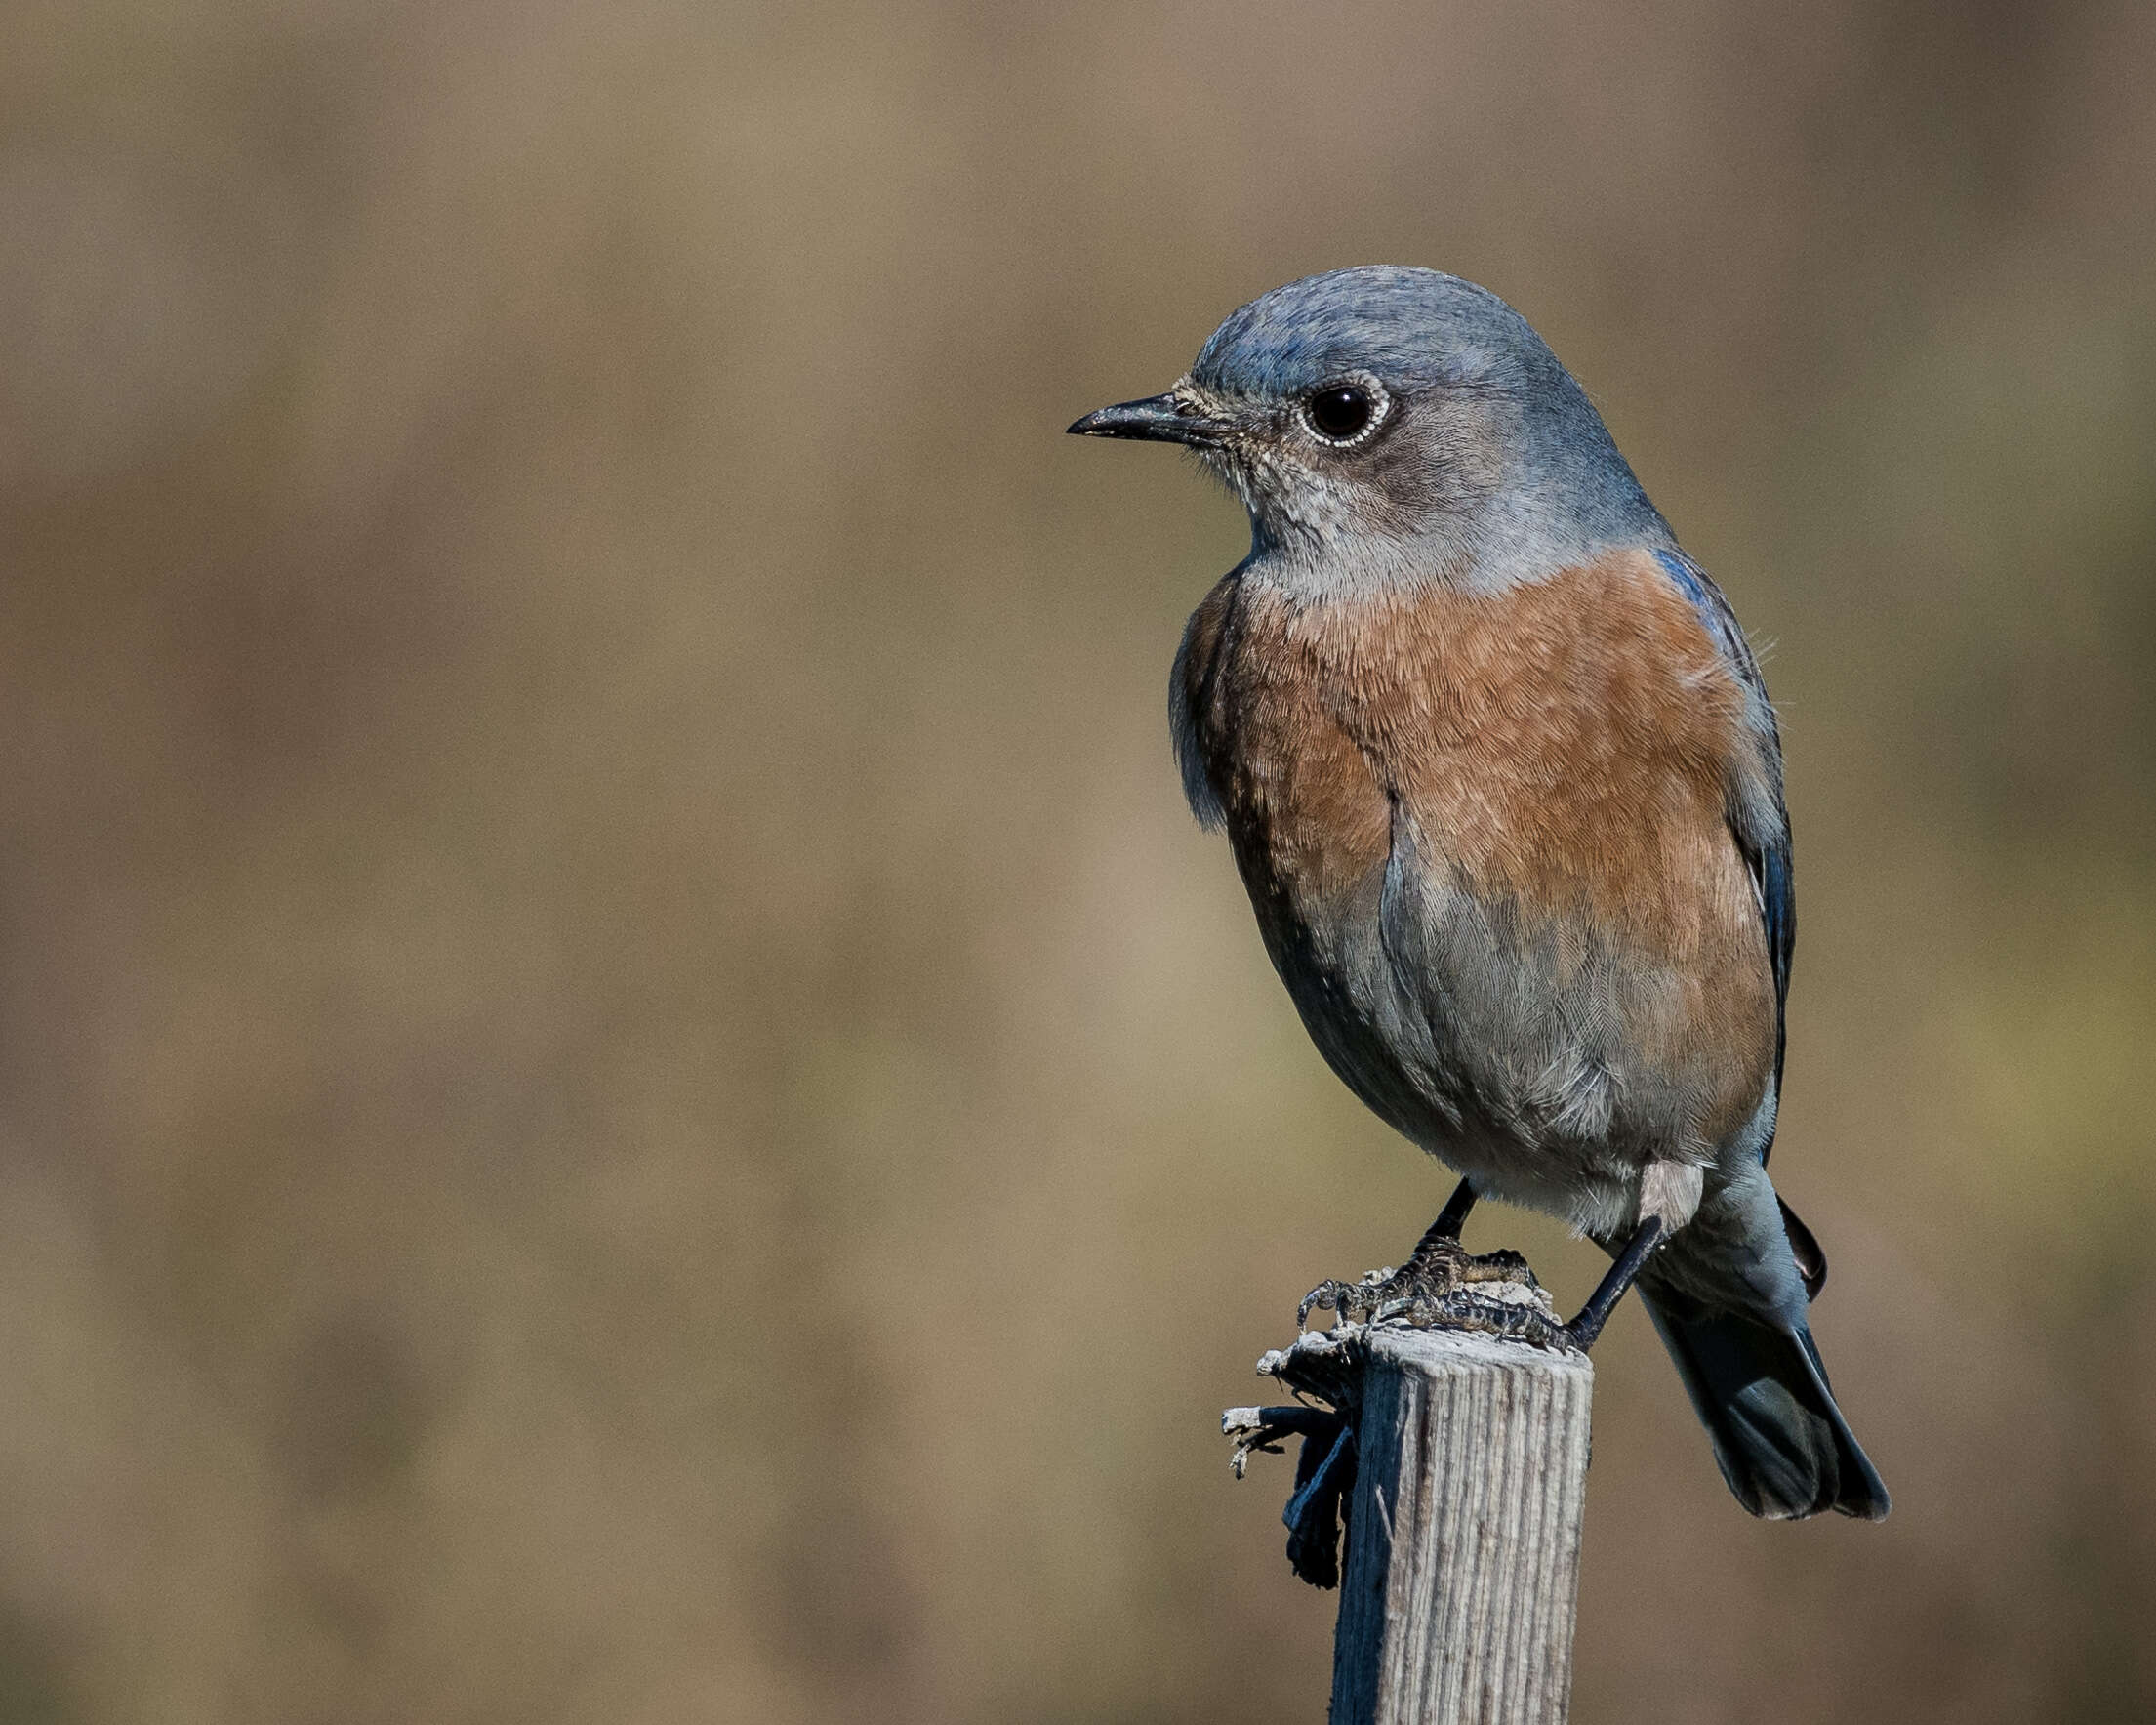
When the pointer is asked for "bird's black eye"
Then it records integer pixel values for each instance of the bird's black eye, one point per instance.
(1340, 410)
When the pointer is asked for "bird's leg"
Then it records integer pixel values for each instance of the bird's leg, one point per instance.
(1439, 1252)
(1582, 1331)
(1438, 1267)
(1452, 1218)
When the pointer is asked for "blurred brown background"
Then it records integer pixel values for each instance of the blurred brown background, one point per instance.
(625, 1092)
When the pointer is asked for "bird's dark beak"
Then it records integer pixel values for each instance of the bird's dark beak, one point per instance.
(1157, 419)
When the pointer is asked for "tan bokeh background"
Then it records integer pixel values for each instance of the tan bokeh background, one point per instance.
(625, 1093)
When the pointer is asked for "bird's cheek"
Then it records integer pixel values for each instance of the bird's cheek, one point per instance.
(1336, 505)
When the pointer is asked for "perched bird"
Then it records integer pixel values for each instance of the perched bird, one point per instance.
(1501, 778)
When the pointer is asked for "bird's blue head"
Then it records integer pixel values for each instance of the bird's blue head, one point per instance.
(1386, 425)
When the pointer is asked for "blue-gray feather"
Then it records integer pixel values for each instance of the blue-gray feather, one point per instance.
(1764, 845)
(1416, 329)
(1779, 1438)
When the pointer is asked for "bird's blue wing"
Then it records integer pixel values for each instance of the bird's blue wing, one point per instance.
(1763, 842)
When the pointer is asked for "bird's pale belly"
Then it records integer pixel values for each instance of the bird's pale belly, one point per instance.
(1517, 1041)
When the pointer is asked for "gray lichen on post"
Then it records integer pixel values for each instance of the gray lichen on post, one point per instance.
(1458, 1462)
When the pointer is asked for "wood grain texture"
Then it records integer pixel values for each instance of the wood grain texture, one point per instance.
(1457, 1603)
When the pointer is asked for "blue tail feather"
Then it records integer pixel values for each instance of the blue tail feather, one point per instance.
(1762, 1393)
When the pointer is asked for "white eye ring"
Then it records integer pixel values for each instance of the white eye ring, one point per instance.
(1357, 382)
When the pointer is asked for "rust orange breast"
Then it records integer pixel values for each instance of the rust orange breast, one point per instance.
(1306, 808)
(1565, 743)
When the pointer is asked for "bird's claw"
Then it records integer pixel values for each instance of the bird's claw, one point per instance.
(1346, 1299)
(1444, 1286)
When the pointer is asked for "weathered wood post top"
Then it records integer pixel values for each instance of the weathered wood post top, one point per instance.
(1458, 1462)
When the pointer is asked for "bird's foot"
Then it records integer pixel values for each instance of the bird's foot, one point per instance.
(1445, 1286)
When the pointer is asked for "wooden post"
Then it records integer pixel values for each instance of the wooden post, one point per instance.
(1462, 1574)
(1469, 1480)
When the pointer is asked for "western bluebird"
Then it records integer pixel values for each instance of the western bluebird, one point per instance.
(1501, 778)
